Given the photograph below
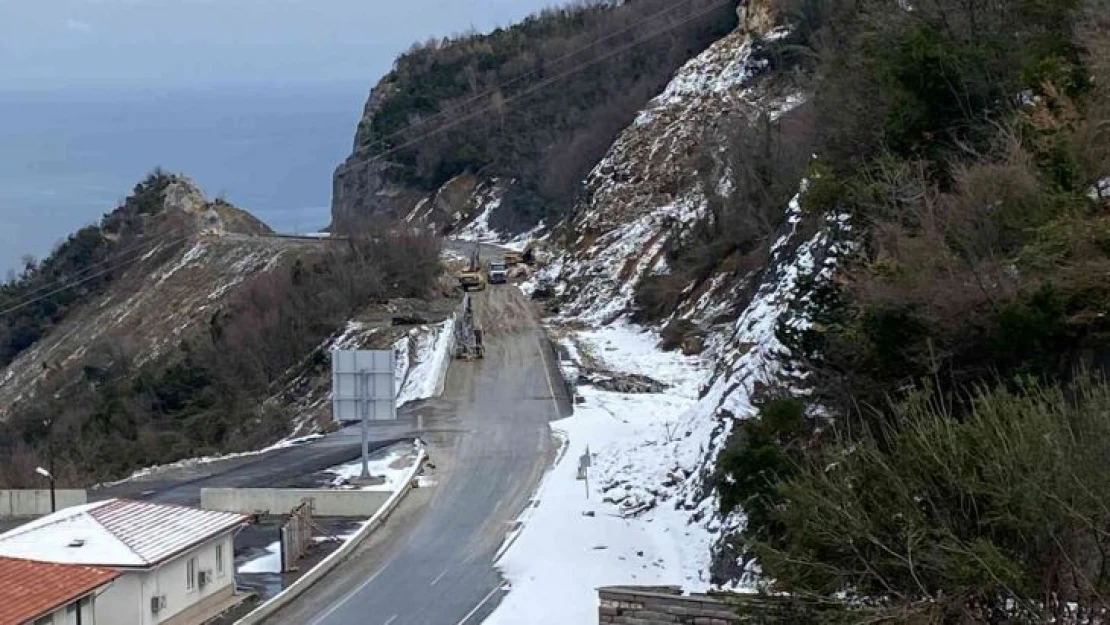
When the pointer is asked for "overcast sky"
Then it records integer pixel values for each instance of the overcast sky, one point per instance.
(46, 44)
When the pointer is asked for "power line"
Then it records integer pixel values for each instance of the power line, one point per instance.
(549, 81)
(533, 73)
(124, 252)
(76, 283)
(453, 124)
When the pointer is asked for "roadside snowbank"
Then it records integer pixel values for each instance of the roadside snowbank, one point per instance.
(627, 348)
(422, 359)
(570, 545)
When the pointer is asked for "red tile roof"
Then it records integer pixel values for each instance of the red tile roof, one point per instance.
(30, 589)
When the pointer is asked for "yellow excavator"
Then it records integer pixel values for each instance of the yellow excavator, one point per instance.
(471, 278)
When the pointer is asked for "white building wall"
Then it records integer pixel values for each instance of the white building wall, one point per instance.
(127, 601)
(121, 604)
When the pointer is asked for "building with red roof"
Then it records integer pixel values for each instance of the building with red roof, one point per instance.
(175, 562)
(46, 593)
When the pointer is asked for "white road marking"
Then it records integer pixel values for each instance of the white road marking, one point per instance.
(347, 597)
(391, 619)
(438, 577)
(479, 606)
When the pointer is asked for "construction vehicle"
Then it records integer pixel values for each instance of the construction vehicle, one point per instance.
(498, 272)
(468, 334)
(471, 278)
(513, 258)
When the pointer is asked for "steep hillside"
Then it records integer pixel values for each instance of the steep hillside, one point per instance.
(519, 114)
(182, 337)
(691, 225)
(858, 249)
(155, 264)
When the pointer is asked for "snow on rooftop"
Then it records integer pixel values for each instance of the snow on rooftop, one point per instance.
(116, 533)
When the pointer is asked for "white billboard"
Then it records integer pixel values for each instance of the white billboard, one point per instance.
(362, 384)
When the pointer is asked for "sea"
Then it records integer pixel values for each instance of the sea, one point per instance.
(69, 156)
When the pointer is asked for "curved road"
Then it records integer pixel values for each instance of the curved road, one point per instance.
(489, 438)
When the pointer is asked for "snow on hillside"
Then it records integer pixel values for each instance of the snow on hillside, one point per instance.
(174, 286)
(649, 188)
(487, 199)
(649, 519)
(652, 516)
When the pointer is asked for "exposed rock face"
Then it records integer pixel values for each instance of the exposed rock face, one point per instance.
(649, 188)
(648, 192)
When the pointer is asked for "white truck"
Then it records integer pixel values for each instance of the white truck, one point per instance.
(498, 272)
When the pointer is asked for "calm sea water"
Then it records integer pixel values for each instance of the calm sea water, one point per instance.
(68, 157)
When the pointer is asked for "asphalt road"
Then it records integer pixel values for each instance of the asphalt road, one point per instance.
(287, 467)
(489, 438)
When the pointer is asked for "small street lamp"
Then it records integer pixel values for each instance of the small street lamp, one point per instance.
(48, 475)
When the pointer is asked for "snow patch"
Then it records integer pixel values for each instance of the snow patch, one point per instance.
(424, 376)
(268, 562)
(194, 462)
(488, 200)
(394, 464)
(572, 543)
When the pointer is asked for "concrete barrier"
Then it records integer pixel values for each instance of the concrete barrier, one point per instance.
(333, 560)
(349, 503)
(16, 504)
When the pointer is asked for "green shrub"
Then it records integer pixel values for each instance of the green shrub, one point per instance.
(1001, 513)
(764, 452)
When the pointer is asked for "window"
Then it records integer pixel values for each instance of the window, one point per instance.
(45, 620)
(191, 574)
(77, 609)
(220, 560)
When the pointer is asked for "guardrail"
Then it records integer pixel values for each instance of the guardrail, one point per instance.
(333, 560)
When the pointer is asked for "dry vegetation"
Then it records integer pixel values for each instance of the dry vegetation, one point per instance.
(963, 348)
(208, 395)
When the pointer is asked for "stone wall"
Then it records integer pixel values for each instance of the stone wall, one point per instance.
(661, 606)
(667, 605)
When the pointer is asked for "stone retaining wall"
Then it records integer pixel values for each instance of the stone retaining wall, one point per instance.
(661, 606)
(667, 605)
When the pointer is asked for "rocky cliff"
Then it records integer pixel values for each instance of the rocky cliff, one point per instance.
(516, 116)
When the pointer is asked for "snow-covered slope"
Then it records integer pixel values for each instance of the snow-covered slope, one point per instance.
(652, 516)
(649, 187)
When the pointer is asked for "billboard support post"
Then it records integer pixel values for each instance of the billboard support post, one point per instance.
(364, 389)
(364, 380)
